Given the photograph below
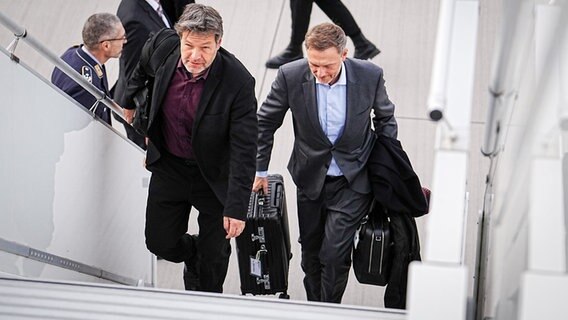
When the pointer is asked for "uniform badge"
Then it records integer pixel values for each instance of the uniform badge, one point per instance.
(87, 74)
(99, 71)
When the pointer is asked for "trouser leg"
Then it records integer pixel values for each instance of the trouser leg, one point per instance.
(345, 209)
(212, 248)
(327, 228)
(311, 219)
(174, 187)
(301, 12)
(336, 11)
(340, 15)
(167, 211)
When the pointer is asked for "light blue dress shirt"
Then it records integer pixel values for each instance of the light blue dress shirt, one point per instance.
(332, 111)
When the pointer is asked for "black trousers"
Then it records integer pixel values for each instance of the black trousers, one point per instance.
(406, 249)
(175, 186)
(327, 228)
(334, 9)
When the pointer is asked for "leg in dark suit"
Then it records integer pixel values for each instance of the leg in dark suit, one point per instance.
(327, 228)
(338, 13)
(175, 186)
(174, 8)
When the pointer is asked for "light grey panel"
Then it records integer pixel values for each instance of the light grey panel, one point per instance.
(249, 31)
(70, 185)
(405, 31)
(25, 299)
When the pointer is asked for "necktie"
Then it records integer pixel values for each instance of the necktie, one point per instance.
(162, 15)
(105, 80)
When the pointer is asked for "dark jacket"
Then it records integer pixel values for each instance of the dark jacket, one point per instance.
(395, 184)
(225, 128)
(294, 89)
(91, 71)
(397, 188)
(139, 21)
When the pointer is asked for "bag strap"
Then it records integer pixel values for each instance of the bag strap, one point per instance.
(157, 48)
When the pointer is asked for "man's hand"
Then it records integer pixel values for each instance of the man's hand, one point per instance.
(129, 115)
(233, 227)
(260, 182)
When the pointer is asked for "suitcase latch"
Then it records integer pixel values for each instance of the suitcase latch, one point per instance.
(264, 280)
(260, 236)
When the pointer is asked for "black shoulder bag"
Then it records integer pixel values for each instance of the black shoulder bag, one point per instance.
(153, 55)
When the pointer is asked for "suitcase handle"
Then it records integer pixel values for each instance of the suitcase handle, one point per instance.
(277, 188)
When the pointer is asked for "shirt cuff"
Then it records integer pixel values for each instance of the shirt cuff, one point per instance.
(262, 174)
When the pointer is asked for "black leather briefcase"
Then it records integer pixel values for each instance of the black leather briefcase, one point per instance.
(372, 248)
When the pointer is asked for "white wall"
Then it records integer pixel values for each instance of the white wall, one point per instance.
(70, 186)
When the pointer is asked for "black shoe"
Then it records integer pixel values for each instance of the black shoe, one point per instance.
(191, 269)
(367, 53)
(364, 49)
(288, 55)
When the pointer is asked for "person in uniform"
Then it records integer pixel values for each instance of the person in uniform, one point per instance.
(103, 38)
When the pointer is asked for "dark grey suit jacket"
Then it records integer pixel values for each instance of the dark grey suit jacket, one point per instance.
(139, 21)
(294, 88)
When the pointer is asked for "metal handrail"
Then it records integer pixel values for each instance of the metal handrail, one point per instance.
(21, 33)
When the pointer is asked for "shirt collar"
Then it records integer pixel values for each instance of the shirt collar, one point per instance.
(155, 4)
(342, 77)
(190, 76)
(90, 54)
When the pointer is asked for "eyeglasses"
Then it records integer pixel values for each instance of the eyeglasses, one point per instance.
(117, 39)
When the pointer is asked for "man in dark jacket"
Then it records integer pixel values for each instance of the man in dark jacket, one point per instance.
(202, 133)
(141, 18)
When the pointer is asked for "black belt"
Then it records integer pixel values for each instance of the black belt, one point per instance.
(187, 162)
(333, 178)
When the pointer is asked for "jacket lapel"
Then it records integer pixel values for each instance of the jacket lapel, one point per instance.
(353, 95)
(353, 99)
(152, 14)
(310, 101)
(213, 79)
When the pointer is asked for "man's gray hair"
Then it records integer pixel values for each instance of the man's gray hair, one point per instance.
(98, 27)
(200, 18)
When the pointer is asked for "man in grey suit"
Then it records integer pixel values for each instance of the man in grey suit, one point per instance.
(331, 99)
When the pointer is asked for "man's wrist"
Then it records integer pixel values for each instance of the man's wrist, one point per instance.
(262, 174)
